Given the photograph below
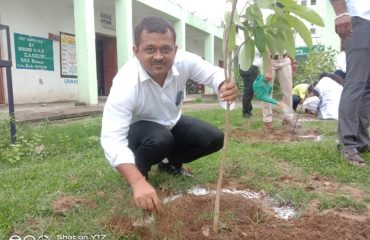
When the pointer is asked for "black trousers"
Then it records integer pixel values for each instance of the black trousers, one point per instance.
(248, 80)
(187, 141)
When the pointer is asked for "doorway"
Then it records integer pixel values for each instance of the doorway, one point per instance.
(106, 63)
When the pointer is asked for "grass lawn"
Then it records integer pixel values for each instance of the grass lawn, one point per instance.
(56, 181)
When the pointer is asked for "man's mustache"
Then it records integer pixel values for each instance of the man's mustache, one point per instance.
(158, 62)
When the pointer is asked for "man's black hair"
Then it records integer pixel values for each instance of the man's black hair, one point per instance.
(310, 88)
(152, 24)
(324, 74)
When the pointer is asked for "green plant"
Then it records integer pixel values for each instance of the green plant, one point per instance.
(273, 35)
(319, 60)
(239, 81)
(25, 149)
(340, 202)
(28, 190)
(4, 132)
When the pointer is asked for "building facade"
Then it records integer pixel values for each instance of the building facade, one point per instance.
(70, 50)
(321, 36)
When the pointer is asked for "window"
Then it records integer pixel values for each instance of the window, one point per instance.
(313, 31)
(313, 2)
(304, 2)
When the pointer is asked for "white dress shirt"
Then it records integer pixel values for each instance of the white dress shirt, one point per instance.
(134, 96)
(330, 92)
(341, 62)
(359, 8)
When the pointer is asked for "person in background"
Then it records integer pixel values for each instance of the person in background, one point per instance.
(280, 66)
(142, 122)
(299, 93)
(340, 66)
(248, 78)
(326, 96)
(352, 24)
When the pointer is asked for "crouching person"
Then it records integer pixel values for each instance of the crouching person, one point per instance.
(142, 121)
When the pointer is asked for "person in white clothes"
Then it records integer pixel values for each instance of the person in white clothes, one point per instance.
(142, 121)
(325, 101)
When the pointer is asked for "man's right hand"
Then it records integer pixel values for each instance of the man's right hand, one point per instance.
(145, 196)
(343, 26)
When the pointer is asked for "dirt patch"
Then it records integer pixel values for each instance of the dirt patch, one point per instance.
(63, 203)
(279, 134)
(191, 217)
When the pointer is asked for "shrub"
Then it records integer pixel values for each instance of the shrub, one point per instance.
(318, 61)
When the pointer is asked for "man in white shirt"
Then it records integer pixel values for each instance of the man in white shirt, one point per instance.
(327, 93)
(352, 24)
(340, 65)
(142, 122)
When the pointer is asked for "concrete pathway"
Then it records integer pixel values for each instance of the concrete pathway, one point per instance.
(64, 110)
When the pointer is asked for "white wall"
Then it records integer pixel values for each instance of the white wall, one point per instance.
(39, 18)
(108, 10)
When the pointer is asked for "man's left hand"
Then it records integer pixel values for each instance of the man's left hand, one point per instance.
(228, 91)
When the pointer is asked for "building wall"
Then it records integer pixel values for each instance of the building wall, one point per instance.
(38, 18)
(46, 19)
(323, 35)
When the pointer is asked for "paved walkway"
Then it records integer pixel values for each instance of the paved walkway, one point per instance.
(64, 110)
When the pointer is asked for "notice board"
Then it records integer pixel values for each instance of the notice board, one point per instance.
(33, 52)
(68, 60)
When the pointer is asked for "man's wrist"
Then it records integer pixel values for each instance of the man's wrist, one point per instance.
(341, 15)
(136, 180)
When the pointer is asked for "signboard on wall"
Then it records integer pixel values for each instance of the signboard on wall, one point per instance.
(301, 53)
(107, 21)
(68, 60)
(33, 52)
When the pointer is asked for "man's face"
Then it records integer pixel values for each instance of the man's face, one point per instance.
(156, 54)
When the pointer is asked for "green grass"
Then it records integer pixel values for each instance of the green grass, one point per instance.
(71, 163)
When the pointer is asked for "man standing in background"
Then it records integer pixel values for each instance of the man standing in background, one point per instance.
(352, 24)
(281, 66)
(248, 77)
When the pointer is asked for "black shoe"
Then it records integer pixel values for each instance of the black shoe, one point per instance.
(365, 148)
(170, 169)
(352, 157)
(362, 149)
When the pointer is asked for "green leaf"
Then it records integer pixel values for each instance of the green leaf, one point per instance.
(271, 19)
(304, 12)
(255, 12)
(289, 42)
(265, 3)
(270, 42)
(300, 27)
(246, 55)
(279, 42)
(232, 38)
(266, 61)
(260, 40)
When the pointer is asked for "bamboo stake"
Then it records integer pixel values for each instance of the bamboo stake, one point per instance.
(227, 70)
